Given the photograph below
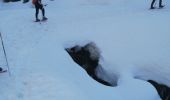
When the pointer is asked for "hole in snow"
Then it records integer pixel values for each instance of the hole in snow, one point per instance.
(87, 57)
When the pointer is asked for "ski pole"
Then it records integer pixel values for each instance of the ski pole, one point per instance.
(5, 54)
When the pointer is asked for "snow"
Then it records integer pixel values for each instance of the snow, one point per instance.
(134, 44)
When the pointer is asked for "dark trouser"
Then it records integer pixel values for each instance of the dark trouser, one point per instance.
(160, 3)
(37, 7)
(153, 2)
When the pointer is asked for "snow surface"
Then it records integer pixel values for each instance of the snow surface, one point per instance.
(133, 40)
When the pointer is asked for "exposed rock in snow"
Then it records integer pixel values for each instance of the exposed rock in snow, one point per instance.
(163, 90)
(88, 58)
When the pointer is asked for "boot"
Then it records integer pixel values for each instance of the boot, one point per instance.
(161, 6)
(37, 20)
(44, 18)
(152, 7)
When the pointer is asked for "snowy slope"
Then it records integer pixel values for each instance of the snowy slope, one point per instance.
(134, 42)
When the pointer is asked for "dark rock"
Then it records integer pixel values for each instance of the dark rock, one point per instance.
(6, 1)
(25, 1)
(163, 90)
(88, 58)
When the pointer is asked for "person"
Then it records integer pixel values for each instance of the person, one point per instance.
(39, 5)
(153, 2)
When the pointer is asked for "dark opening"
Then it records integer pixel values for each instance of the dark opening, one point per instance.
(88, 58)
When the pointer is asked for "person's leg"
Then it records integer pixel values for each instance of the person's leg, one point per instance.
(43, 12)
(160, 4)
(36, 13)
(152, 4)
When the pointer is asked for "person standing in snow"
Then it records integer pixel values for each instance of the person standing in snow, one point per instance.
(160, 4)
(39, 5)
